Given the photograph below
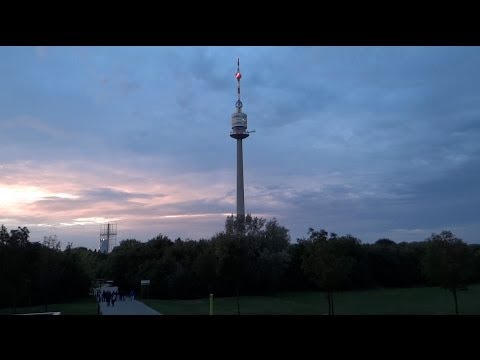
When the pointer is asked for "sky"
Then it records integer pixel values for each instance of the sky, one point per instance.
(376, 142)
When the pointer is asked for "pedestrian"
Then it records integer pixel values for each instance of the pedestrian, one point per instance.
(114, 298)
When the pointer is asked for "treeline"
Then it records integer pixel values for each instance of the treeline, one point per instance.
(256, 257)
(39, 273)
(252, 256)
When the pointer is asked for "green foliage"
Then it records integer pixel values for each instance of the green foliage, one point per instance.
(396, 265)
(4, 236)
(34, 273)
(329, 260)
(18, 237)
(252, 255)
(257, 258)
(51, 242)
(123, 262)
(448, 261)
(248, 225)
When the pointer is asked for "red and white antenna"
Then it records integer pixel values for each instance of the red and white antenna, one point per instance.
(238, 76)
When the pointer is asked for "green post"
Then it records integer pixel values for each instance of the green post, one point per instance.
(211, 304)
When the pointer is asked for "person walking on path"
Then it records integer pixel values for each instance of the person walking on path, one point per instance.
(114, 298)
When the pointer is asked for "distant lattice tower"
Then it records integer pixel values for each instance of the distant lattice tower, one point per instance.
(108, 237)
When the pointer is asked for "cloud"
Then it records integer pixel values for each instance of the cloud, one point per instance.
(365, 140)
(116, 195)
(20, 126)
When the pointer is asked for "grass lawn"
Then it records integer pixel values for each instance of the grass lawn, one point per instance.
(84, 306)
(408, 301)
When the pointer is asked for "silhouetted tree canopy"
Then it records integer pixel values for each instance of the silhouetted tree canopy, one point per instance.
(251, 256)
(448, 262)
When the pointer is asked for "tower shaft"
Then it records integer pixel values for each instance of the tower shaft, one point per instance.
(240, 190)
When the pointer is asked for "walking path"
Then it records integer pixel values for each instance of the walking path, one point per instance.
(127, 307)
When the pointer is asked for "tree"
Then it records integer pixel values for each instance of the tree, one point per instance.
(204, 266)
(19, 237)
(272, 256)
(87, 259)
(13, 269)
(252, 253)
(231, 253)
(52, 242)
(50, 270)
(123, 263)
(35, 273)
(4, 237)
(384, 262)
(385, 242)
(329, 262)
(244, 225)
(448, 262)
